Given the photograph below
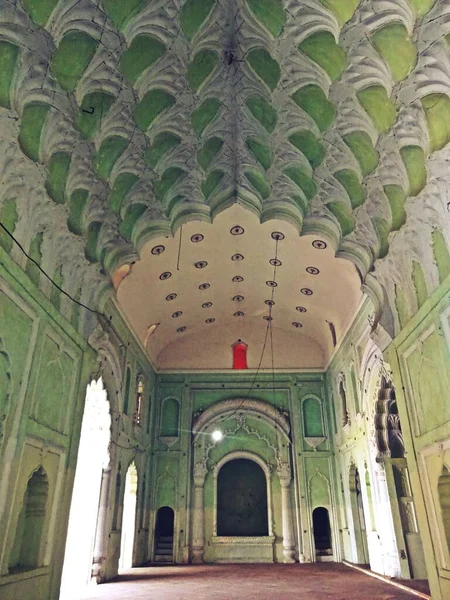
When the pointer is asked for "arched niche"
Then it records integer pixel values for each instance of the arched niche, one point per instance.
(444, 502)
(170, 416)
(126, 393)
(264, 467)
(313, 421)
(342, 394)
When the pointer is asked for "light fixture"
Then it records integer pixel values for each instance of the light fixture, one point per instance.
(217, 435)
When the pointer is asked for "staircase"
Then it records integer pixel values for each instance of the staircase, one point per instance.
(164, 549)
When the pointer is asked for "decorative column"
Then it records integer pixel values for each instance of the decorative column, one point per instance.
(200, 471)
(284, 475)
(99, 547)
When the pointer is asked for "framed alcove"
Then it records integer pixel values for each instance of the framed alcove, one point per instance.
(313, 420)
(253, 539)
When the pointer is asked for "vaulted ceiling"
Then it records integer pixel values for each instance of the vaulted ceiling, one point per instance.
(321, 114)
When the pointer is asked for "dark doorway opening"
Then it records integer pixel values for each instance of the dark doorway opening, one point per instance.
(242, 499)
(164, 528)
(322, 532)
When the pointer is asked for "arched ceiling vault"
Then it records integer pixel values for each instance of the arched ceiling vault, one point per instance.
(147, 115)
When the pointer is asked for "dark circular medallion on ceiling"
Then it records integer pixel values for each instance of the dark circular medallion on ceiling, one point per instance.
(277, 235)
(319, 244)
(165, 275)
(237, 279)
(158, 249)
(239, 313)
(297, 324)
(181, 329)
(237, 230)
(177, 314)
(270, 302)
(275, 262)
(201, 264)
(312, 270)
(207, 305)
(197, 237)
(301, 309)
(204, 286)
(237, 257)
(171, 297)
(238, 298)
(209, 321)
(271, 283)
(306, 291)
(267, 318)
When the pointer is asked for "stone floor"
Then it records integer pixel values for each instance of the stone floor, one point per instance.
(259, 582)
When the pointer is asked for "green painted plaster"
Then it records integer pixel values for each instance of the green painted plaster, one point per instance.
(312, 99)
(312, 417)
(8, 218)
(93, 109)
(259, 183)
(321, 48)
(441, 254)
(55, 295)
(301, 201)
(342, 9)
(420, 284)
(8, 59)
(163, 143)
(362, 148)
(264, 66)
(121, 11)
(173, 202)
(378, 106)
(143, 51)
(421, 7)
(209, 151)
(352, 185)
(154, 103)
(91, 248)
(200, 68)
(309, 145)
(402, 306)
(437, 111)
(260, 151)
(39, 10)
(382, 229)
(203, 115)
(71, 58)
(167, 180)
(32, 123)
(396, 49)
(35, 253)
(77, 203)
(110, 150)
(133, 213)
(75, 316)
(193, 14)
(343, 214)
(397, 199)
(303, 180)
(58, 171)
(211, 182)
(263, 112)
(270, 13)
(122, 185)
(414, 160)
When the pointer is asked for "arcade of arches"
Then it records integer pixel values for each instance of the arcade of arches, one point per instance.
(224, 287)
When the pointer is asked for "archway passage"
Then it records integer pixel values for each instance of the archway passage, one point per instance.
(165, 518)
(128, 518)
(322, 533)
(242, 499)
(93, 457)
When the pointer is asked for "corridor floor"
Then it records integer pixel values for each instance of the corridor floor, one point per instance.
(259, 582)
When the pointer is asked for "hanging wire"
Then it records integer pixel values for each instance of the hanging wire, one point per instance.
(16, 241)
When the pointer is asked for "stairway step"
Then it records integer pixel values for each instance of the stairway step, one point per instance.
(164, 551)
(165, 538)
(163, 559)
(165, 545)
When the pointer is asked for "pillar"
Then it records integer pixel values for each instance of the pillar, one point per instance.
(284, 475)
(198, 519)
(99, 547)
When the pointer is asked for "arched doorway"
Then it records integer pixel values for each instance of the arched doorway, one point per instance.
(242, 499)
(165, 518)
(93, 457)
(359, 519)
(128, 519)
(322, 534)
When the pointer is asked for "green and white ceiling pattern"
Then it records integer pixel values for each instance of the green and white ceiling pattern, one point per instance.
(331, 114)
